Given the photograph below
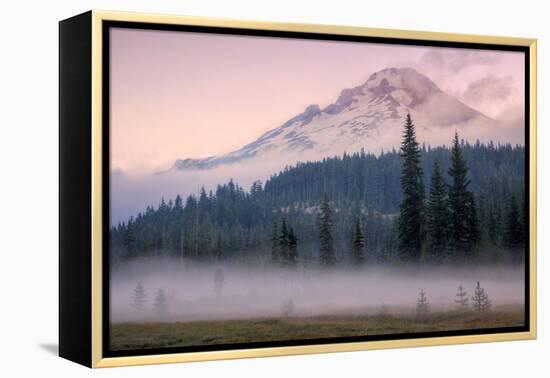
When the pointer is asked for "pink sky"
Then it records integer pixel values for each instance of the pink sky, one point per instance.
(190, 95)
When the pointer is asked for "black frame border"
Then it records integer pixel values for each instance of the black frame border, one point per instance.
(107, 25)
(75, 182)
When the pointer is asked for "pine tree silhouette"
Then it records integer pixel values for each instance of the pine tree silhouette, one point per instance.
(327, 253)
(411, 210)
(461, 299)
(480, 299)
(422, 304)
(139, 299)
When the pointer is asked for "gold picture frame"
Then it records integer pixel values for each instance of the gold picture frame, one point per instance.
(83, 276)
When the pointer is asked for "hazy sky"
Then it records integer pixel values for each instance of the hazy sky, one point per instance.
(190, 95)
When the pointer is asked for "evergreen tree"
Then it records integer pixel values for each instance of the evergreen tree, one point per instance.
(463, 218)
(461, 299)
(256, 189)
(422, 305)
(284, 244)
(160, 304)
(327, 250)
(513, 233)
(480, 300)
(358, 247)
(292, 259)
(437, 217)
(229, 223)
(139, 299)
(412, 185)
(130, 240)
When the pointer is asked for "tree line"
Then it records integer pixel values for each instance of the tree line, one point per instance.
(445, 224)
(350, 209)
(285, 243)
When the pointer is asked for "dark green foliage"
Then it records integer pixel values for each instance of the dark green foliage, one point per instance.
(473, 227)
(374, 181)
(493, 225)
(461, 299)
(513, 232)
(129, 240)
(457, 199)
(275, 253)
(231, 223)
(463, 212)
(411, 210)
(327, 252)
(437, 218)
(480, 300)
(292, 257)
(358, 247)
(286, 246)
(283, 244)
(422, 304)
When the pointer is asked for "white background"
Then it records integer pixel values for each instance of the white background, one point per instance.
(29, 189)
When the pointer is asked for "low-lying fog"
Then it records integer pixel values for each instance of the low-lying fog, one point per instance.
(214, 291)
(131, 194)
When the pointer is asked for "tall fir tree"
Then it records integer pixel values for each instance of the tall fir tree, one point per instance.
(462, 208)
(234, 224)
(411, 210)
(358, 246)
(327, 250)
(437, 217)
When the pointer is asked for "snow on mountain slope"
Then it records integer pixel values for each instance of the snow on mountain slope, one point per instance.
(369, 116)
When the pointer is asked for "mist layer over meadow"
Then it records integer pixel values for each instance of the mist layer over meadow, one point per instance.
(175, 290)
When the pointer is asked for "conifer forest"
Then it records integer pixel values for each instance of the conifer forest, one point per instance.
(455, 204)
(400, 242)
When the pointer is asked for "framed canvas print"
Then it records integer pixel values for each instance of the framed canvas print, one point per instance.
(236, 189)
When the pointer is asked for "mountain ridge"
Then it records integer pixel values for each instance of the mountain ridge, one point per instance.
(367, 116)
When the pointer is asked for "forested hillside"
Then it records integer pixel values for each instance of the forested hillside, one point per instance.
(363, 196)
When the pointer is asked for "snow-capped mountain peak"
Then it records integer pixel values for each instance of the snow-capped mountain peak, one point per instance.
(417, 88)
(368, 116)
